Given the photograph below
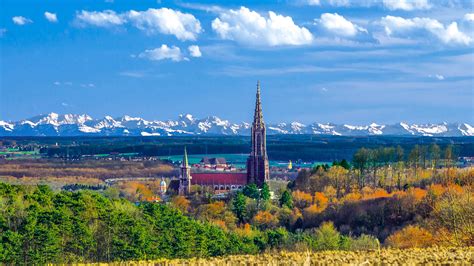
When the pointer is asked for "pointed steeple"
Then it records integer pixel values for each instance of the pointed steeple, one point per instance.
(258, 116)
(185, 158)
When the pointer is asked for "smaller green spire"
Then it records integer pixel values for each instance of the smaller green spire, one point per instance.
(185, 158)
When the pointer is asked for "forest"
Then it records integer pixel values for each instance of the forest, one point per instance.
(321, 148)
(385, 197)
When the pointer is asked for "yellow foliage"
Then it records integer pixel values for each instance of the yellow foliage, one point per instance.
(353, 196)
(320, 200)
(180, 203)
(302, 199)
(411, 237)
(265, 219)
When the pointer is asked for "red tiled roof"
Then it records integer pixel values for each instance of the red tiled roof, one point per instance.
(219, 178)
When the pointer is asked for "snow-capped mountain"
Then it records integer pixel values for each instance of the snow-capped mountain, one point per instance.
(84, 125)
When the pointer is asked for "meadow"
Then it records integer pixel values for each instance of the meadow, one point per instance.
(437, 255)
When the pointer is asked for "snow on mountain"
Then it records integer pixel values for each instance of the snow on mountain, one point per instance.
(54, 124)
(6, 126)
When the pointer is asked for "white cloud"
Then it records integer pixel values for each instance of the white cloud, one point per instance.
(107, 18)
(469, 17)
(164, 20)
(51, 17)
(167, 21)
(194, 51)
(439, 77)
(397, 26)
(250, 28)
(164, 52)
(407, 5)
(328, 2)
(19, 20)
(339, 25)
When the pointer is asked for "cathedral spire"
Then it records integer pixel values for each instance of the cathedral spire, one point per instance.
(185, 158)
(258, 116)
(257, 164)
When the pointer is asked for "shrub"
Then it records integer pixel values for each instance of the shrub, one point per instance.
(410, 237)
(326, 237)
(365, 242)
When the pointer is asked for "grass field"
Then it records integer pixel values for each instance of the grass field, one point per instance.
(437, 255)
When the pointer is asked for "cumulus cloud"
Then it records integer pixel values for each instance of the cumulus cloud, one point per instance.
(164, 20)
(167, 21)
(398, 26)
(162, 53)
(407, 5)
(469, 17)
(338, 25)
(194, 51)
(249, 27)
(51, 17)
(106, 18)
(19, 20)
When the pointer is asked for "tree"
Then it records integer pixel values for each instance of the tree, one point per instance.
(414, 158)
(360, 162)
(435, 155)
(337, 175)
(265, 192)
(251, 191)
(327, 237)
(265, 220)
(286, 199)
(180, 203)
(239, 207)
(410, 237)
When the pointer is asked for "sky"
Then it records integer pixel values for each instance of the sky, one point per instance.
(338, 61)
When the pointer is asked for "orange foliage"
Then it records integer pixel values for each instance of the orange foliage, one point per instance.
(320, 200)
(411, 237)
(376, 194)
(220, 223)
(244, 230)
(302, 199)
(265, 219)
(138, 191)
(353, 196)
(180, 203)
(436, 190)
(455, 188)
(417, 193)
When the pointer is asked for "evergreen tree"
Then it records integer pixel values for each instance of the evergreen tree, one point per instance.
(265, 192)
(239, 206)
(286, 199)
(251, 191)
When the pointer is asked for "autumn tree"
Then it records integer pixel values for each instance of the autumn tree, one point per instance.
(411, 237)
(338, 175)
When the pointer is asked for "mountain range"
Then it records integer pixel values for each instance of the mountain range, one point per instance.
(84, 125)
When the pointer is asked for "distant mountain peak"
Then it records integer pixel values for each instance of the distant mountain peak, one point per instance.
(54, 124)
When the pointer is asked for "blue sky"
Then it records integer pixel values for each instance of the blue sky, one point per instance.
(335, 61)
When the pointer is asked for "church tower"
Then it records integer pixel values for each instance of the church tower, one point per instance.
(258, 170)
(185, 176)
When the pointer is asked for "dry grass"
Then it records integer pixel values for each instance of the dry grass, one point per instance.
(438, 255)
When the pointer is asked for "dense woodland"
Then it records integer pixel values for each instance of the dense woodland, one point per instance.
(279, 147)
(385, 197)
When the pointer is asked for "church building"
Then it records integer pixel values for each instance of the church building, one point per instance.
(258, 170)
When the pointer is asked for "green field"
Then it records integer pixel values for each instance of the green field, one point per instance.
(238, 160)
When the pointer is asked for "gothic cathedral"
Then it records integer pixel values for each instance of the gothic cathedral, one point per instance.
(257, 164)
